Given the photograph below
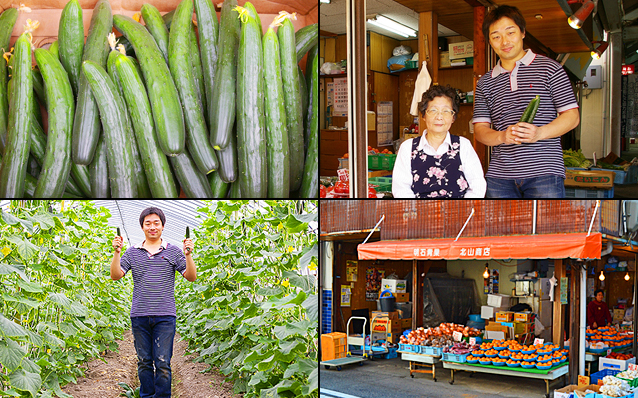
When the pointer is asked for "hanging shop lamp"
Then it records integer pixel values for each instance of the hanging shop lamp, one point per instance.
(392, 26)
(486, 274)
(576, 19)
(627, 276)
(601, 276)
(598, 52)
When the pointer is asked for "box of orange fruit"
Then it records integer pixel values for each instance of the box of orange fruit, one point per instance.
(513, 355)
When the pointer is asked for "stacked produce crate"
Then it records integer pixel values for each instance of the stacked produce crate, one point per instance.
(333, 346)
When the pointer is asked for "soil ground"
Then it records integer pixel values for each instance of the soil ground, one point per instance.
(100, 379)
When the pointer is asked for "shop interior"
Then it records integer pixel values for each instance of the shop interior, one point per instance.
(447, 36)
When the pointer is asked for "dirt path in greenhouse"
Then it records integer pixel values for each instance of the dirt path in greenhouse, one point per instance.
(101, 378)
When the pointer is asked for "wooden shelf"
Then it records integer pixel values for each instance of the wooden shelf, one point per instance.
(458, 67)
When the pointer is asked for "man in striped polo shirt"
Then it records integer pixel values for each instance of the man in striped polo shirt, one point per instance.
(527, 159)
(153, 263)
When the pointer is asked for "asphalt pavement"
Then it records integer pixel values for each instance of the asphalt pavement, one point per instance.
(390, 378)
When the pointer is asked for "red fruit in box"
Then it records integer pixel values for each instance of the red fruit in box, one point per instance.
(342, 187)
(322, 191)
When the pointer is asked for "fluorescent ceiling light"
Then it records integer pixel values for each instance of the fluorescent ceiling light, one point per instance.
(325, 1)
(392, 26)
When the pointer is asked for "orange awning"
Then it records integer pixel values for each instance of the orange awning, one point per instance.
(575, 245)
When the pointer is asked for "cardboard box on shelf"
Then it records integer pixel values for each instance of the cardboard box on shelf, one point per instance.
(618, 315)
(386, 325)
(488, 312)
(394, 315)
(463, 49)
(393, 285)
(582, 392)
(498, 300)
(406, 323)
(497, 331)
(589, 178)
(444, 59)
(614, 364)
(521, 328)
(372, 120)
(402, 297)
(524, 317)
(565, 392)
(505, 316)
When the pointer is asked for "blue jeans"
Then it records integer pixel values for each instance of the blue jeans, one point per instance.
(153, 338)
(550, 186)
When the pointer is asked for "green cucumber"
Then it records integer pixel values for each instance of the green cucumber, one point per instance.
(290, 79)
(71, 37)
(38, 138)
(155, 25)
(532, 115)
(99, 171)
(197, 143)
(54, 48)
(114, 124)
(29, 186)
(312, 92)
(208, 30)
(33, 167)
(86, 123)
(167, 109)
(310, 182)
(158, 172)
(82, 177)
(38, 86)
(218, 186)
(196, 66)
(168, 18)
(13, 169)
(221, 109)
(228, 160)
(303, 94)
(528, 111)
(7, 21)
(276, 128)
(306, 38)
(253, 13)
(192, 181)
(252, 159)
(234, 191)
(57, 160)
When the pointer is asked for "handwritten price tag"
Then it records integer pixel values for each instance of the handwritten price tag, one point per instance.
(538, 341)
(343, 174)
(609, 351)
(472, 340)
(633, 366)
(457, 336)
(583, 380)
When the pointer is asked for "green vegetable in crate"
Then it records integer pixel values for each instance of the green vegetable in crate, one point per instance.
(251, 132)
(306, 38)
(167, 109)
(208, 30)
(61, 106)
(575, 159)
(155, 25)
(192, 181)
(7, 21)
(13, 169)
(605, 165)
(71, 38)
(310, 181)
(530, 111)
(197, 142)
(86, 123)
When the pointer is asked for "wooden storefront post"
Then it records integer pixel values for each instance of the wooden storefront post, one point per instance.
(480, 68)
(558, 327)
(574, 330)
(429, 46)
(415, 294)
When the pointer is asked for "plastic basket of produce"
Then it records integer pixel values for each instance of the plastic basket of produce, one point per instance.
(461, 358)
(528, 365)
(533, 350)
(504, 355)
(543, 366)
(589, 193)
(381, 161)
(478, 353)
(431, 350)
(410, 348)
(499, 362)
(472, 359)
(631, 377)
(597, 350)
(545, 358)
(594, 377)
(484, 361)
(384, 183)
(513, 364)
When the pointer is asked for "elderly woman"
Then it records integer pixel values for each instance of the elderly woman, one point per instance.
(438, 164)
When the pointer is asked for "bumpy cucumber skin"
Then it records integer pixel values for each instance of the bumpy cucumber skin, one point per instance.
(71, 39)
(294, 118)
(208, 30)
(7, 21)
(218, 186)
(222, 104)
(227, 158)
(61, 106)
(99, 171)
(13, 169)
(156, 167)
(86, 123)
(306, 38)
(114, 124)
(310, 182)
(251, 130)
(199, 148)
(196, 66)
(157, 28)
(82, 178)
(165, 103)
(194, 183)
(252, 11)
(303, 94)
(276, 127)
(38, 86)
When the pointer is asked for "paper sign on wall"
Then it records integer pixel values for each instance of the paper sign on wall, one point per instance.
(472, 340)
(563, 290)
(351, 271)
(583, 380)
(538, 341)
(632, 366)
(457, 336)
(346, 294)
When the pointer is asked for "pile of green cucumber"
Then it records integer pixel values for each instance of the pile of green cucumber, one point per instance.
(181, 104)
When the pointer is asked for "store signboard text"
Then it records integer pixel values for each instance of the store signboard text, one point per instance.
(463, 252)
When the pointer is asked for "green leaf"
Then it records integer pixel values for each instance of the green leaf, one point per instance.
(300, 327)
(53, 383)
(10, 328)
(306, 259)
(305, 282)
(58, 223)
(25, 381)
(10, 393)
(22, 300)
(313, 384)
(44, 219)
(293, 225)
(30, 366)
(304, 366)
(287, 346)
(25, 248)
(31, 287)
(68, 329)
(107, 334)
(77, 309)
(66, 249)
(6, 269)
(11, 354)
(312, 307)
(34, 338)
(308, 217)
(9, 218)
(267, 363)
(60, 298)
(259, 377)
(53, 340)
(269, 291)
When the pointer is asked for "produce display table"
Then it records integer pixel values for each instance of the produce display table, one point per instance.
(547, 375)
(421, 363)
(593, 357)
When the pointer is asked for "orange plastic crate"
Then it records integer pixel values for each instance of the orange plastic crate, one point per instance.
(333, 346)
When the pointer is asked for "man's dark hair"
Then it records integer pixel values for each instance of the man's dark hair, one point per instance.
(440, 91)
(152, 210)
(499, 12)
(598, 291)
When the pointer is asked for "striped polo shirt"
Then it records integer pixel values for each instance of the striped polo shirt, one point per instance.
(153, 278)
(501, 98)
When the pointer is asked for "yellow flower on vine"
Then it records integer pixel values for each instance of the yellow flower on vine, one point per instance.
(280, 226)
(285, 283)
(6, 251)
(290, 249)
(312, 266)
